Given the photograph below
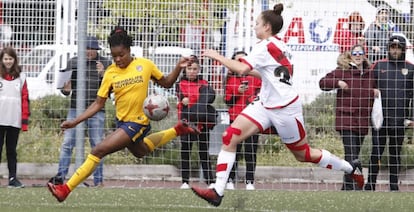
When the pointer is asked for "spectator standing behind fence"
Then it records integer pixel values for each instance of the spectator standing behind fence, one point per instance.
(241, 90)
(356, 90)
(14, 106)
(352, 35)
(95, 68)
(195, 95)
(394, 78)
(377, 34)
(128, 78)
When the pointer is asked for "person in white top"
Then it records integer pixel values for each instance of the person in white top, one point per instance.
(278, 105)
(15, 109)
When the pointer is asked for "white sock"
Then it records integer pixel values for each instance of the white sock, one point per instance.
(331, 161)
(225, 163)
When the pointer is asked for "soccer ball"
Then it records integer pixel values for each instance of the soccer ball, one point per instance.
(156, 107)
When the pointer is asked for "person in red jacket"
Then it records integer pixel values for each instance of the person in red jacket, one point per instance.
(14, 104)
(356, 89)
(194, 99)
(240, 91)
(353, 34)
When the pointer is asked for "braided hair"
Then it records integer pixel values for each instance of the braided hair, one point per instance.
(119, 37)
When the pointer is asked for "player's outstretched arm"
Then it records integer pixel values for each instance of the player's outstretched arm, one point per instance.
(233, 65)
(96, 106)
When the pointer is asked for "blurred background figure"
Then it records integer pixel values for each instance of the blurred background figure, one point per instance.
(356, 90)
(352, 35)
(395, 78)
(95, 68)
(194, 99)
(14, 105)
(377, 34)
(240, 91)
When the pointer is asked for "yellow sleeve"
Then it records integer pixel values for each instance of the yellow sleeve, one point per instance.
(156, 73)
(106, 84)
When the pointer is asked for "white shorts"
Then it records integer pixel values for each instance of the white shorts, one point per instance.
(288, 121)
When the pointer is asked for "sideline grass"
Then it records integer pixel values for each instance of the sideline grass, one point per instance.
(111, 199)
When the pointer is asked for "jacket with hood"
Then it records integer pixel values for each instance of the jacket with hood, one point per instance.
(353, 105)
(394, 78)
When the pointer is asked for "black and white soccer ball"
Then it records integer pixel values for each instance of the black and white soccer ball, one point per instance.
(156, 107)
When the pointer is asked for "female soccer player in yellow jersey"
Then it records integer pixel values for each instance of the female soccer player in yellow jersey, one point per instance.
(128, 78)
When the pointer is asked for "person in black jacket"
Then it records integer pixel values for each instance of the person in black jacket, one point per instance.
(241, 90)
(195, 97)
(394, 78)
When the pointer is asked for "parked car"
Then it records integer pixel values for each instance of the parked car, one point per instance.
(41, 66)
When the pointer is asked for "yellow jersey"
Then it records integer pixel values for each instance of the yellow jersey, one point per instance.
(130, 88)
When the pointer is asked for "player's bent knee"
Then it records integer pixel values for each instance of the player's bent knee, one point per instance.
(228, 134)
(99, 152)
(139, 150)
(304, 147)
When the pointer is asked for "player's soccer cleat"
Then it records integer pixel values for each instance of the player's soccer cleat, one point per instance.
(210, 195)
(357, 174)
(184, 128)
(60, 192)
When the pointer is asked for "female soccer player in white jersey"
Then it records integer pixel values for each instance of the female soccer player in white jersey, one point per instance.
(278, 105)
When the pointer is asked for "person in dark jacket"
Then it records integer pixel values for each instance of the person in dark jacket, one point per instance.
(356, 90)
(394, 78)
(377, 34)
(95, 68)
(194, 104)
(240, 90)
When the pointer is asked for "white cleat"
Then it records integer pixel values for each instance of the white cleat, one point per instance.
(250, 186)
(185, 186)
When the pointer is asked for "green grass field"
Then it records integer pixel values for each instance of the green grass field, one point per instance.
(111, 199)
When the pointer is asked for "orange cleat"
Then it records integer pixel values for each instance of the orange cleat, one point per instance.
(61, 192)
(209, 194)
(357, 174)
(184, 128)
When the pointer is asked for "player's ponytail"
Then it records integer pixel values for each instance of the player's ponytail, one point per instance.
(278, 8)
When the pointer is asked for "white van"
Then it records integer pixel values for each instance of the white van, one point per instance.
(41, 66)
(166, 58)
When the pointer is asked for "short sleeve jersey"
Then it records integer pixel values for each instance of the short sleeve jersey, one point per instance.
(130, 88)
(265, 57)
